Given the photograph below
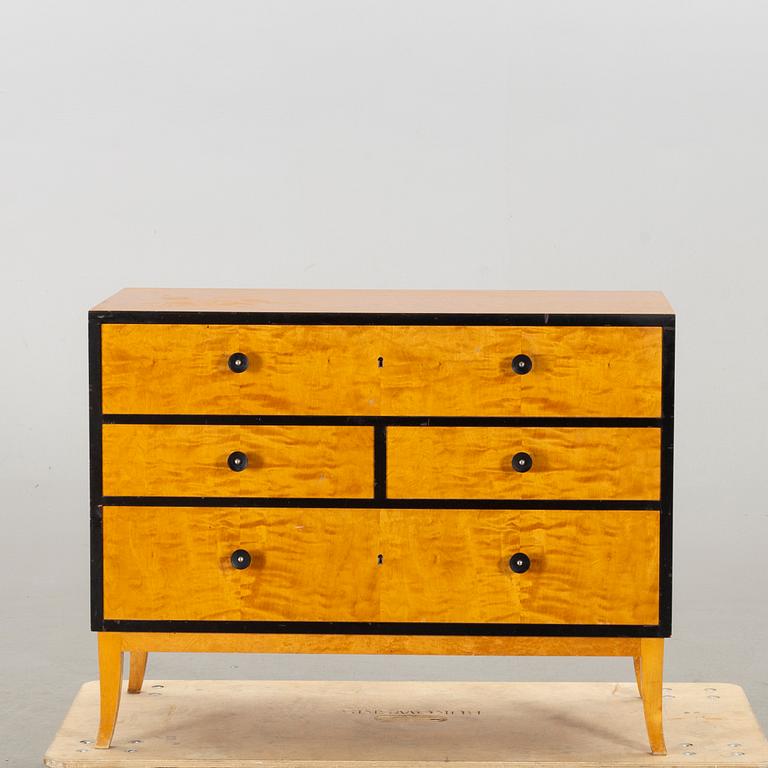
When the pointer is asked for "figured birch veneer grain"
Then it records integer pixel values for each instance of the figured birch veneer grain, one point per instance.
(568, 463)
(283, 461)
(588, 567)
(382, 370)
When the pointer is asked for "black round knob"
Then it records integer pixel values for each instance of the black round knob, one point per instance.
(522, 364)
(522, 462)
(237, 461)
(519, 562)
(241, 558)
(238, 362)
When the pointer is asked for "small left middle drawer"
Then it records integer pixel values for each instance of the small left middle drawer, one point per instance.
(237, 460)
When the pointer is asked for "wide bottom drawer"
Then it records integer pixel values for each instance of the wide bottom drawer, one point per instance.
(381, 565)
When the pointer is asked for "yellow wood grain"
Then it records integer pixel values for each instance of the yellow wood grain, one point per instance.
(221, 642)
(568, 463)
(191, 460)
(424, 371)
(588, 567)
(174, 563)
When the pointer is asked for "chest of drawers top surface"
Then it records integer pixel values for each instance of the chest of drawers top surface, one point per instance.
(381, 458)
(371, 301)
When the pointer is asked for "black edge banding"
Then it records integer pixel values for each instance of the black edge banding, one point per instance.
(384, 421)
(388, 318)
(367, 503)
(380, 462)
(95, 448)
(667, 466)
(387, 628)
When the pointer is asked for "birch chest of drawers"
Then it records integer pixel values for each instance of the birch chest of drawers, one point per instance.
(457, 472)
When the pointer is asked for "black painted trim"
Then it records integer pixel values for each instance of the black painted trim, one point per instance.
(94, 405)
(95, 425)
(392, 421)
(386, 628)
(373, 318)
(376, 503)
(666, 484)
(97, 568)
(380, 462)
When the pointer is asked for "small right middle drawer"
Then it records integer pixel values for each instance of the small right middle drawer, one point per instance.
(524, 463)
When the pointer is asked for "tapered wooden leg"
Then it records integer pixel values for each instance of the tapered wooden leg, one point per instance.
(651, 676)
(638, 667)
(136, 672)
(110, 683)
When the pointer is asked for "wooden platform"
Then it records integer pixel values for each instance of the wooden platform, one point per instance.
(288, 724)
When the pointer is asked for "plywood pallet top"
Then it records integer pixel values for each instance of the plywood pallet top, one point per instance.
(289, 724)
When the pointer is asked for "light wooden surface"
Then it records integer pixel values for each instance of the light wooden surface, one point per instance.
(568, 463)
(357, 300)
(442, 565)
(238, 642)
(290, 724)
(424, 370)
(191, 460)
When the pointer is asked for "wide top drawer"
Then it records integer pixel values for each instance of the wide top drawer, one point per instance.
(393, 370)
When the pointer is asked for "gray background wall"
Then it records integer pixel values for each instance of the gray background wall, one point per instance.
(427, 143)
